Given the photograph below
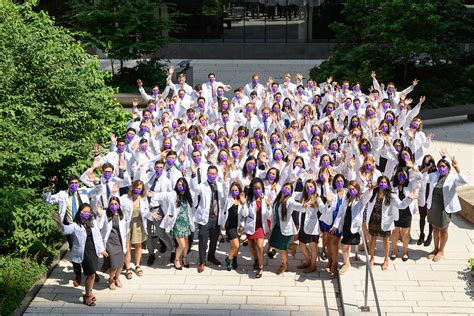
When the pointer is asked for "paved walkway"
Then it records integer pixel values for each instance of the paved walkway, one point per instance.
(420, 286)
(164, 291)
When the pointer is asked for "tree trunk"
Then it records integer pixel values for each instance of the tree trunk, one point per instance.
(121, 65)
(112, 66)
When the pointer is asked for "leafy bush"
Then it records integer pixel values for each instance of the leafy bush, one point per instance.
(17, 275)
(54, 100)
(26, 224)
(151, 71)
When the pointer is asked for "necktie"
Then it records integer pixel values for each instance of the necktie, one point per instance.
(120, 170)
(199, 174)
(225, 127)
(146, 154)
(74, 206)
(214, 209)
(265, 123)
(212, 89)
(168, 173)
(152, 188)
(107, 190)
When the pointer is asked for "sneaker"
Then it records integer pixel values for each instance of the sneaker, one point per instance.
(151, 260)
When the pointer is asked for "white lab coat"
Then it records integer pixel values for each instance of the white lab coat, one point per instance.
(80, 237)
(390, 213)
(450, 197)
(167, 200)
(126, 203)
(203, 195)
(250, 214)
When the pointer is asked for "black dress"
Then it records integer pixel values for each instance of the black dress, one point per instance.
(375, 221)
(302, 236)
(348, 238)
(114, 246)
(90, 260)
(404, 219)
(232, 224)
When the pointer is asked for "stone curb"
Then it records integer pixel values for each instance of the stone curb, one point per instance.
(34, 289)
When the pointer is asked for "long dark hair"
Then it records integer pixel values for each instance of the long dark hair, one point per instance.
(282, 200)
(305, 196)
(395, 180)
(387, 194)
(246, 172)
(186, 194)
(109, 213)
(79, 221)
(250, 194)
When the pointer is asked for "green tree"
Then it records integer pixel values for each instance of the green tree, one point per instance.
(401, 40)
(54, 101)
(125, 29)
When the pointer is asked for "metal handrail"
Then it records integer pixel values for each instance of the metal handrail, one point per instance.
(368, 272)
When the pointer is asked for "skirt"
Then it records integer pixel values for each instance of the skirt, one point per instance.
(404, 220)
(278, 240)
(232, 233)
(90, 262)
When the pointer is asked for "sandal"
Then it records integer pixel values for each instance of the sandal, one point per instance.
(393, 256)
(438, 257)
(118, 283)
(129, 274)
(255, 264)
(111, 284)
(138, 271)
(405, 257)
(385, 266)
(259, 273)
(432, 254)
(88, 300)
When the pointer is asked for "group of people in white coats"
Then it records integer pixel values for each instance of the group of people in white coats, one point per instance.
(285, 163)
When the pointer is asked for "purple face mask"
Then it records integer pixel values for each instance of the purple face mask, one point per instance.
(211, 178)
(369, 167)
(220, 93)
(137, 191)
(310, 190)
(169, 161)
(271, 177)
(107, 175)
(166, 133)
(197, 160)
(144, 129)
(276, 109)
(85, 216)
(274, 140)
(258, 192)
(300, 92)
(405, 157)
(241, 134)
(347, 104)
(303, 149)
(114, 207)
(155, 92)
(315, 100)
(212, 80)
(385, 105)
(327, 128)
(221, 145)
(356, 89)
(333, 147)
(258, 136)
(278, 99)
(339, 184)
(278, 156)
(398, 148)
(355, 123)
(364, 147)
(130, 136)
(171, 106)
(225, 119)
(383, 186)
(237, 96)
(167, 146)
(212, 137)
(443, 171)
(402, 178)
(235, 194)
(289, 136)
(249, 110)
(143, 149)
(152, 108)
(356, 106)
(353, 192)
(286, 191)
(181, 96)
(250, 166)
(181, 188)
(223, 158)
(274, 89)
(73, 187)
(414, 125)
(159, 172)
(174, 125)
(325, 164)
(370, 113)
(315, 132)
(235, 153)
(252, 145)
(384, 128)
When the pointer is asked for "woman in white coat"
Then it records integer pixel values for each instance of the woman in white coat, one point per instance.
(283, 226)
(309, 232)
(177, 206)
(114, 228)
(230, 217)
(258, 213)
(443, 201)
(382, 212)
(404, 182)
(87, 246)
(135, 205)
(349, 220)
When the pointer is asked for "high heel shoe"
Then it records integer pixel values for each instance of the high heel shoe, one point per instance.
(176, 267)
(185, 262)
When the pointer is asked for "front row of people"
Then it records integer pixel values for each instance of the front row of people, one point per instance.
(330, 206)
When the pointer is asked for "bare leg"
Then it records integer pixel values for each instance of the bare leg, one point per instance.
(372, 241)
(138, 254)
(181, 248)
(386, 249)
(443, 234)
(259, 251)
(405, 239)
(89, 285)
(304, 251)
(234, 248)
(346, 250)
(128, 255)
(395, 236)
(253, 251)
(334, 242)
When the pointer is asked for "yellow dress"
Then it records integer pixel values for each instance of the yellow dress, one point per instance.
(137, 233)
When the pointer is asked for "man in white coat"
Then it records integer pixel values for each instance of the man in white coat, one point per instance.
(210, 199)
